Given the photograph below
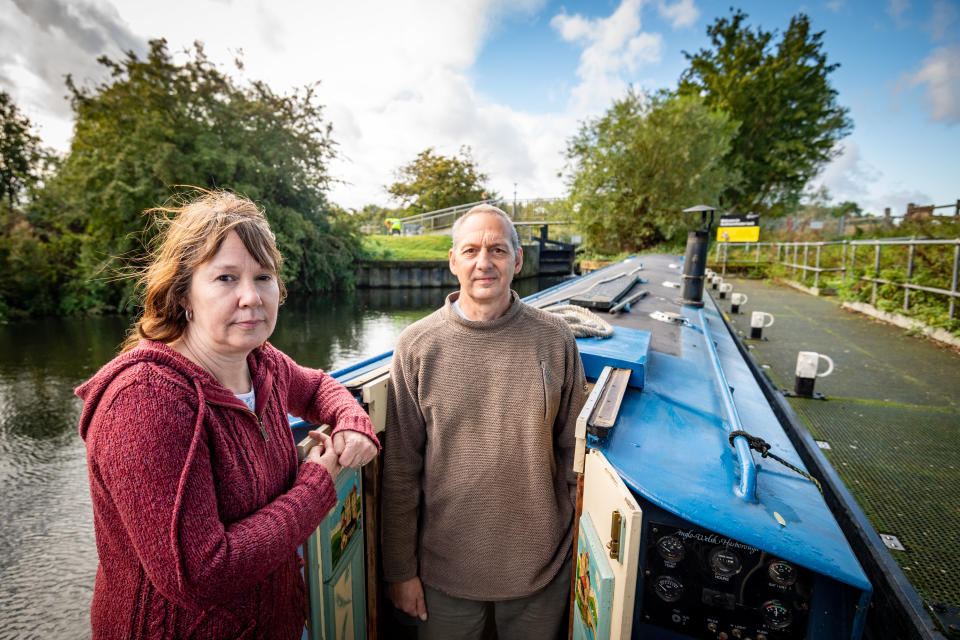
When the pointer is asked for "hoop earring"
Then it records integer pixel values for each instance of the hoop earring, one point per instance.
(189, 315)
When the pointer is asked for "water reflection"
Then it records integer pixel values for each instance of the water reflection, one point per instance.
(330, 332)
(47, 550)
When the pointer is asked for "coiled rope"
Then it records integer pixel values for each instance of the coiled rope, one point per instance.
(582, 322)
(761, 445)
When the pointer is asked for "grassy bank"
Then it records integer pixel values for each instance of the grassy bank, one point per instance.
(406, 247)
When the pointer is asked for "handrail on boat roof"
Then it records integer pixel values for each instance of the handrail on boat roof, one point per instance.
(748, 467)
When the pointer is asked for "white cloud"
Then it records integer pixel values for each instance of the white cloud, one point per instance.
(682, 13)
(942, 17)
(835, 5)
(896, 9)
(43, 41)
(445, 113)
(394, 77)
(848, 176)
(940, 74)
(612, 45)
(897, 201)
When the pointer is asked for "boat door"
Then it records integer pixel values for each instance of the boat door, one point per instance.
(340, 556)
(608, 548)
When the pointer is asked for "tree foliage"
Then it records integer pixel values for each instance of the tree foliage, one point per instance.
(373, 217)
(433, 181)
(155, 125)
(22, 158)
(24, 261)
(781, 95)
(816, 206)
(846, 208)
(635, 168)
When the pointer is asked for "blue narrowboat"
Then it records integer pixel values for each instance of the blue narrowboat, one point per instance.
(707, 510)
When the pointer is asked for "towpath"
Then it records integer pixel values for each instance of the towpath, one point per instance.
(891, 421)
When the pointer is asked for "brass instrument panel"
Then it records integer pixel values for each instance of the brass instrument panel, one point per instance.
(704, 585)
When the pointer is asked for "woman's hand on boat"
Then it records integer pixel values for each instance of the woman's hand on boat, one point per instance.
(408, 597)
(324, 454)
(353, 448)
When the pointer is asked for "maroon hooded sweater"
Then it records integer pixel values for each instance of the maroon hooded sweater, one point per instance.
(199, 505)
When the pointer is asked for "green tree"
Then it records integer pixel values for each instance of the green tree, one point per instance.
(846, 208)
(24, 260)
(635, 169)
(433, 181)
(781, 95)
(155, 125)
(373, 217)
(22, 159)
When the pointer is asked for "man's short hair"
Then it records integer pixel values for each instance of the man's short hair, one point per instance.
(489, 208)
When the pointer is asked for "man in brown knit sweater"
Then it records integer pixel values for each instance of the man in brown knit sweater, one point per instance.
(478, 486)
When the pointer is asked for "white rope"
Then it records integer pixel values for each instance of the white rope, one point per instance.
(583, 322)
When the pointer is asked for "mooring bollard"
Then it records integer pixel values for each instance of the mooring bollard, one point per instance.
(736, 300)
(807, 364)
(758, 322)
(716, 281)
(725, 288)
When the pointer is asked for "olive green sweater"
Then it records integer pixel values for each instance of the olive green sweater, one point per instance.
(478, 486)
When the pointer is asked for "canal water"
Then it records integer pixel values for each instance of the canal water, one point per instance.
(48, 556)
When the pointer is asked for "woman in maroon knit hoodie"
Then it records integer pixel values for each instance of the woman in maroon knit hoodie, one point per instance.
(199, 503)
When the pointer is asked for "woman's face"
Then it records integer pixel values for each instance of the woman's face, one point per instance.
(234, 300)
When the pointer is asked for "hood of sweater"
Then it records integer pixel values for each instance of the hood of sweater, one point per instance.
(180, 371)
(482, 325)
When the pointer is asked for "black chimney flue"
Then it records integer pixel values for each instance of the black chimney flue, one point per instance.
(695, 261)
(694, 265)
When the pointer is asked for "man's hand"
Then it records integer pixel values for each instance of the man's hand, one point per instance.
(408, 597)
(353, 448)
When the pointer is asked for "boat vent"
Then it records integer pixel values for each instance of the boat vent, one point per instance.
(670, 317)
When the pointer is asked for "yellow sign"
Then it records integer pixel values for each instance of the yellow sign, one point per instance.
(738, 234)
(745, 228)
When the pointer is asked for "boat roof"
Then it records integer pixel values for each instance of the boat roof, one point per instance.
(671, 441)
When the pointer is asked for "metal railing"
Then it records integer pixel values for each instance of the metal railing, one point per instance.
(753, 255)
(911, 264)
(518, 209)
(442, 218)
(788, 255)
(795, 265)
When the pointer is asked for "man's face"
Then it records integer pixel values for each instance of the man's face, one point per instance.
(483, 260)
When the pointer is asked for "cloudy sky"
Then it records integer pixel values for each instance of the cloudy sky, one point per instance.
(512, 78)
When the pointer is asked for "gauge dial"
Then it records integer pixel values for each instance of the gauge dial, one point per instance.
(776, 615)
(724, 562)
(668, 588)
(783, 573)
(671, 548)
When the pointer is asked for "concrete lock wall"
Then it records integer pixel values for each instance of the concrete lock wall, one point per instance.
(415, 274)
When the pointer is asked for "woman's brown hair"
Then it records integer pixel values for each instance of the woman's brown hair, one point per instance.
(190, 235)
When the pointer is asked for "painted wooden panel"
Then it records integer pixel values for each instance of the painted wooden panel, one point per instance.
(593, 586)
(603, 494)
(335, 567)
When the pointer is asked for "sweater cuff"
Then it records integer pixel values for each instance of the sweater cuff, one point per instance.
(360, 424)
(400, 577)
(322, 496)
